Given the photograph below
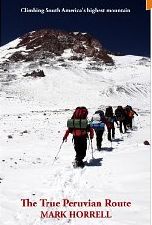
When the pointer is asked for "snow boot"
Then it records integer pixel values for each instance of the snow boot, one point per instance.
(77, 164)
(99, 148)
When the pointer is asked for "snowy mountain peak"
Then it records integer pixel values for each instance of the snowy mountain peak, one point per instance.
(55, 69)
(50, 43)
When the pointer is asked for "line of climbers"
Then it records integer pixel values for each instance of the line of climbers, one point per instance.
(82, 129)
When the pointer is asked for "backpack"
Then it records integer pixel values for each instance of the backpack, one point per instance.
(129, 107)
(109, 112)
(80, 113)
(96, 122)
(78, 121)
(120, 114)
(96, 117)
(129, 112)
(100, 112)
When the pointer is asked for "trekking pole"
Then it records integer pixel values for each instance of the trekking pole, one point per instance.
(139, 121)
(92, 149)
(57, 153)
(89, 144)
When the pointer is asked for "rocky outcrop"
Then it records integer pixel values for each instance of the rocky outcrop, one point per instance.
(38, 73)
(50, 43)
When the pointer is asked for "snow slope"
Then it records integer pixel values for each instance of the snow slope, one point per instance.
(34, 113)
(127, 82)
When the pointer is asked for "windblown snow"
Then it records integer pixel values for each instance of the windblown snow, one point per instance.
(33, 119)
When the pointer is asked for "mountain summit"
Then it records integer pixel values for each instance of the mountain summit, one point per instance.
(50, 43)
(50, 69)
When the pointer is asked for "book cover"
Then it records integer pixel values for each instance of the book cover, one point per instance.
(75, 112)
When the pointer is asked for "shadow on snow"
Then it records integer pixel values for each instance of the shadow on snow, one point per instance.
(107, 149)
(117, 140)
(94, 162)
